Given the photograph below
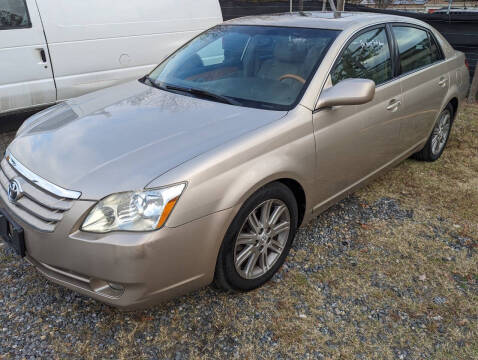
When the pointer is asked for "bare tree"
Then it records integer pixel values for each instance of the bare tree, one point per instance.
(340, 5)
(382, 3)
(474, 87)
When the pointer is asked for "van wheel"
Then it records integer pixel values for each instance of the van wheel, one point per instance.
(439, 137)
(258, 240)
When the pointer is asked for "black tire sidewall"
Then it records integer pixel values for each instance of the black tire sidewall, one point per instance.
(271, 191)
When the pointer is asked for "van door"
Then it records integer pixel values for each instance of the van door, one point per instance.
(95, 44)
(26, 76)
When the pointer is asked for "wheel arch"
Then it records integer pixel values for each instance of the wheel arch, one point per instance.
(299, 195)
(293, 183)
(454, 103)
(449, 100)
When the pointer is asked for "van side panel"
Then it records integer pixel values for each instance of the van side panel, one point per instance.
(95, 44)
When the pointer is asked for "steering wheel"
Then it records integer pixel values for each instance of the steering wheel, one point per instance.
(292, 76)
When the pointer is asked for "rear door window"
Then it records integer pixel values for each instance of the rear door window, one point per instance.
(14, 15)
(415, 48)
(367, 56)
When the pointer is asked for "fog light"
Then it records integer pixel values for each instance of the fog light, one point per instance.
(115, 286)
(108, 289)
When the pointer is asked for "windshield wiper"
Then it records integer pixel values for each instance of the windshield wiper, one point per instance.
(197, 92)
(202, 93)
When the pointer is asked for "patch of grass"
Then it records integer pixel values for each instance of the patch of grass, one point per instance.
(447, 187)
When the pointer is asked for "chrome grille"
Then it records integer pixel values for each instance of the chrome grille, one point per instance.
(37, 207)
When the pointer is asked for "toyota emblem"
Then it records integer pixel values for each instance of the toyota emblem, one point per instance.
(15, 191)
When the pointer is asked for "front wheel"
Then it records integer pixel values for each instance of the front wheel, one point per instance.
(439, 137)
(258, 240)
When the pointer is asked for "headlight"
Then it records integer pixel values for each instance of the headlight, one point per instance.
(133, 211)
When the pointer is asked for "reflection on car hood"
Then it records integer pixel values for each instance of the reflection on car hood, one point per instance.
(122, 138)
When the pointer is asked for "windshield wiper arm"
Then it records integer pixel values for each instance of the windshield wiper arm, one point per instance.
(203, 93)
(198, 92)
(153, 83)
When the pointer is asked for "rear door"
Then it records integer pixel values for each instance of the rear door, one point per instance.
(353, 142)
(425, 81)
(26, 76)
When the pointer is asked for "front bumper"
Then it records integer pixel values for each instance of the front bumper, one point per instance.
(125, 269)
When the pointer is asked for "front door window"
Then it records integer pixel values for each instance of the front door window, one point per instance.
(366, 57)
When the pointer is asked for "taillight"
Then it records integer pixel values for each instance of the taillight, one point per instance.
(467, 64)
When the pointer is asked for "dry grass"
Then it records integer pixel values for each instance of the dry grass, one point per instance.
(446, 188)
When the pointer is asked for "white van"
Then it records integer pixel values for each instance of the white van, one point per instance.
(52, 50)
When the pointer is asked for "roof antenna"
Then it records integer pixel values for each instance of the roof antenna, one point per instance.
(334, 9)
(449, 7)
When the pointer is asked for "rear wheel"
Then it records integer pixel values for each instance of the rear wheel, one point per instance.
(439, 137)
(258, 240)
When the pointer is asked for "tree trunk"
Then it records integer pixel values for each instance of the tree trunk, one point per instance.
(474, 87)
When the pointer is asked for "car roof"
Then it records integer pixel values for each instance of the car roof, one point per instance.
(320, 19)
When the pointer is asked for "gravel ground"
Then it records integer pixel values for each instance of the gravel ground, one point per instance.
(389, 273)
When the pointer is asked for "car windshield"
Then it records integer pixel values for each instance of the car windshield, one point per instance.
(256, 66)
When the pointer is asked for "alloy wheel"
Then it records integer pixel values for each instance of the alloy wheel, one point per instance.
(262, 239)
(440, 132)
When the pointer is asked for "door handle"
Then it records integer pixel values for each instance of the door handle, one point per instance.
(442, 82)
(393, 105)
(42, 54)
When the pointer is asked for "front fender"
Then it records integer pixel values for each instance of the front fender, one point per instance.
(226, 176)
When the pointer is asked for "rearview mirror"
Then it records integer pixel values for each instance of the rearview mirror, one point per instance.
(347, 92)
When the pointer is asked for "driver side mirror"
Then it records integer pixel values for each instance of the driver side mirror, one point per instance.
(347, 92)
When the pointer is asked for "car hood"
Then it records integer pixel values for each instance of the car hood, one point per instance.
(122, 138)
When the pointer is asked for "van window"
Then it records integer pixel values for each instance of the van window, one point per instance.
(14, 15)
(366, 57)
(414, 47)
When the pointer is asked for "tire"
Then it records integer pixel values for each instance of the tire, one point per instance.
(263, 247)
(438, 138)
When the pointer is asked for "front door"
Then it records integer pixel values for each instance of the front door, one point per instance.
(353, 142)
(26, 76)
